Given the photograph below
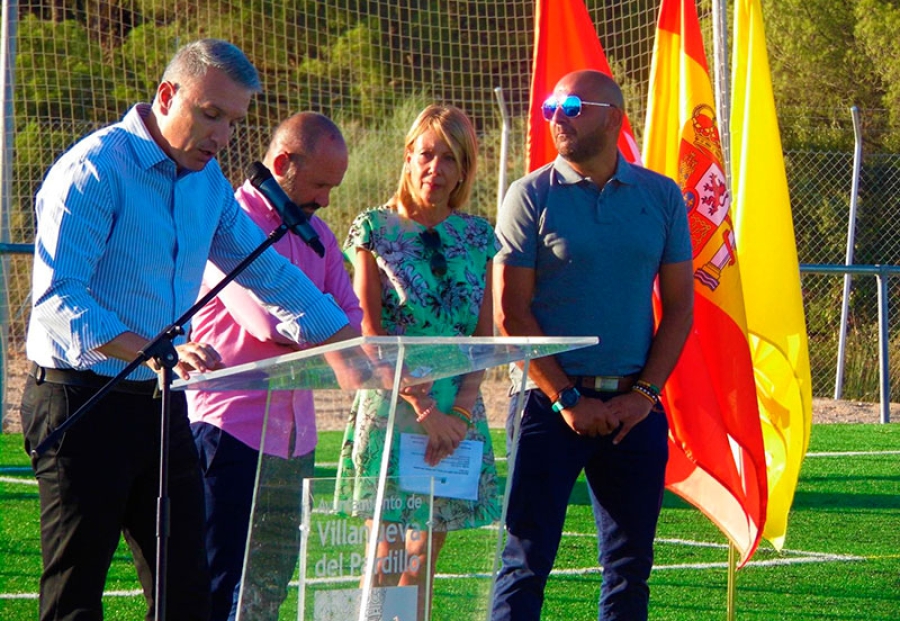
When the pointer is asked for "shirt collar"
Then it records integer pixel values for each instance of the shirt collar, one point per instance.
(148, 152)
(256, 203)
(566, 175)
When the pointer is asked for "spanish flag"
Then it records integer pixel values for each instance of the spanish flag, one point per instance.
(770, 271)
(564, 41)
(716, 461)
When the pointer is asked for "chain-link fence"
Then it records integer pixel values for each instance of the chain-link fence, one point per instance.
(820, 186)
(372, 66)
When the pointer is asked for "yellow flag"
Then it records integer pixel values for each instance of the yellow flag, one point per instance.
(770, 271)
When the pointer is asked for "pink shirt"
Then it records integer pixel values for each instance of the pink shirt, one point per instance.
(241, 330)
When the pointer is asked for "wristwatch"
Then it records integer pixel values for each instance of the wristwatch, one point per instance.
(568, 398)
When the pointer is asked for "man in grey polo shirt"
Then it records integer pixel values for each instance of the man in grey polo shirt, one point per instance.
(584, 239)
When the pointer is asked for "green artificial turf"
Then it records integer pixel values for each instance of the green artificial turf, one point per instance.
(841, 558)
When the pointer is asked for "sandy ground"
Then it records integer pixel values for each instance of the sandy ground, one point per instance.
(332, 406)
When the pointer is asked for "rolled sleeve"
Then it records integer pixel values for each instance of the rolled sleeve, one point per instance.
(319, 321)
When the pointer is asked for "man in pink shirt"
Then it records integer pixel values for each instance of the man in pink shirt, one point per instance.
(308, 157)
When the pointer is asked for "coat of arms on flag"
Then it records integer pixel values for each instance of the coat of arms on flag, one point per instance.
(706, 195)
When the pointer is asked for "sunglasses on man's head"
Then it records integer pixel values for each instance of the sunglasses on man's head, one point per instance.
(432, 242)
(570, 104)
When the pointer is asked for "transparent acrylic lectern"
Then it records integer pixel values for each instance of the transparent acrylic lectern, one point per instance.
(307, 529)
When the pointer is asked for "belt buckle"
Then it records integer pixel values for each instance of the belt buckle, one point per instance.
(606, 384)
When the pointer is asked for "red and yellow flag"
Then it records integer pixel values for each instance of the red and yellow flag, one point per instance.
(716, 460)
(564, 41)
(767, 252)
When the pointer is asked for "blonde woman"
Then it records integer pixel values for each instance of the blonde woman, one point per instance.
(423, 268)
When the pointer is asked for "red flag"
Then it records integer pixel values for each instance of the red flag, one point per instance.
(717, 459)
(564, 41)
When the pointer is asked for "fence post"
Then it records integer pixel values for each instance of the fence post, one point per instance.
(851, 240)
(881, 273)
(883, 340)
(7, 141)
(504, 147)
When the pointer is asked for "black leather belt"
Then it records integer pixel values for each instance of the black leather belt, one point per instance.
(89, 379)
(602, 383)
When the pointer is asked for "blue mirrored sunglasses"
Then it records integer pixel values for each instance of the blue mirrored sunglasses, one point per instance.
(571, 106)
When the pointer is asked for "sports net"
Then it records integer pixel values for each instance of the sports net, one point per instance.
(371, 66)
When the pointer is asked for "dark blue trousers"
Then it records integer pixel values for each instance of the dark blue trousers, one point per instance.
(229, 476)
(626, 482)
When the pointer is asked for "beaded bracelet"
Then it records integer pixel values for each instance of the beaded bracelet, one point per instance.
(644, 392)
(653, 388)
(427, 412)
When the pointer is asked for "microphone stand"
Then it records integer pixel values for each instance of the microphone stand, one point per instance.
(160, 349)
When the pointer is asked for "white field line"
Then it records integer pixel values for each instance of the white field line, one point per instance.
(798, 557)
(334, 464)
(499, 459)
(852, 453)
(132, 593)
(31, 481)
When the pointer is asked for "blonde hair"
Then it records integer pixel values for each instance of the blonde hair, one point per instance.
(454, 128)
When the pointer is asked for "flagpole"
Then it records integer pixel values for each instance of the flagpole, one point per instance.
(721, 86)
(722, 92)
(732, 586)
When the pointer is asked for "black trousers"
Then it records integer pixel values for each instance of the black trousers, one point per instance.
(102, 480)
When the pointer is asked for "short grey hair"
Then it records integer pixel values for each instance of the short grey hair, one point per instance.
(193, 60)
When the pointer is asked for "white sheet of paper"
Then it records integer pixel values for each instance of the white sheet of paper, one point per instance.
(455, 476)
(385, 604)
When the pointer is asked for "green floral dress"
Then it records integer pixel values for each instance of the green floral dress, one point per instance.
(417, 302)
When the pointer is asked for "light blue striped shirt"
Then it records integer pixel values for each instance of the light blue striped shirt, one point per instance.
(122, 241)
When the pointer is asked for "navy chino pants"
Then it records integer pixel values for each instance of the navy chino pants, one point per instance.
(229, 475)
(626, 482)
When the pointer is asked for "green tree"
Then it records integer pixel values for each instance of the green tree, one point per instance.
(878, 23)
(828, 56)
(60, 74)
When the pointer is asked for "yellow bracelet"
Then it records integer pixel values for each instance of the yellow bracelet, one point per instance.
(466, 413)
(456, 414)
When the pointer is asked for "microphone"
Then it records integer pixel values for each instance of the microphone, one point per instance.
(291, 215)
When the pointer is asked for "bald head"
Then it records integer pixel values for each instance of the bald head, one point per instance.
(592, 85)
(301, 135)
(308, 157)
(588, 139)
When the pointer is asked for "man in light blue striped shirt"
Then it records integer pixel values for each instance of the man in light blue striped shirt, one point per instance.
(126, 220)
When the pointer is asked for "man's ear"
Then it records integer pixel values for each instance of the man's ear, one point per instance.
(165, 93)
(616, 118)
(281, 163)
